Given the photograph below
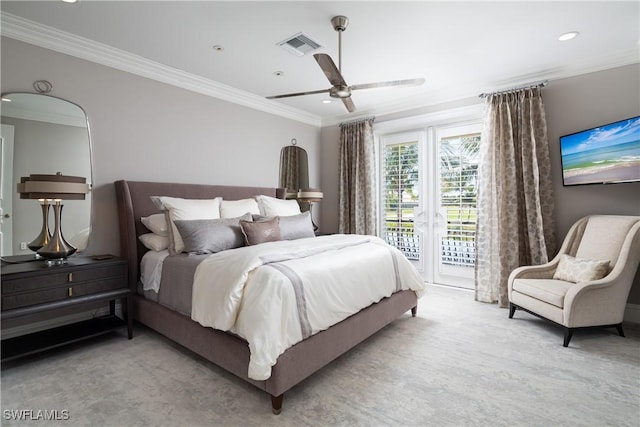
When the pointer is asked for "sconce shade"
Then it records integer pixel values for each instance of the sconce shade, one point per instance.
(310, 195)
(56, 186)
(288, 194)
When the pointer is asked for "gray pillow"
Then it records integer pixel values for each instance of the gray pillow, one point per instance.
(204, 236)
(294, 226)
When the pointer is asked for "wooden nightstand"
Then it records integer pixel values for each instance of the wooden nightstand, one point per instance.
(30, 288)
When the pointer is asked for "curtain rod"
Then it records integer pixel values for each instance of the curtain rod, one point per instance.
(362, 119)
(528, 86)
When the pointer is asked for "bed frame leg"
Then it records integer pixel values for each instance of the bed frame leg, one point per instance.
(414, 311)
(276, 404)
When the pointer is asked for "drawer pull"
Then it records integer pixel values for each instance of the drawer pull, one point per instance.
(70, 291)
(70, 277)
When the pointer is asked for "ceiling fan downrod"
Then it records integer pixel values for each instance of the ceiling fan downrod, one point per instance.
(340, 24)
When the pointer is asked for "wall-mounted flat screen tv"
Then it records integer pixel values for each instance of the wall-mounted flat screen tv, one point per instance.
(602, 155)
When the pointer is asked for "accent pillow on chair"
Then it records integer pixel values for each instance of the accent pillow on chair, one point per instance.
(576, 270)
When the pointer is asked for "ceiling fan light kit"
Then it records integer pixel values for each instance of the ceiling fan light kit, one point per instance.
(339, 87)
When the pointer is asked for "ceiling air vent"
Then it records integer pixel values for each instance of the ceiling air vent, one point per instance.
(299, 44)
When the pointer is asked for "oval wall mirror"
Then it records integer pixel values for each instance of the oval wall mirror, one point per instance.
(42, 134)
(294, 170)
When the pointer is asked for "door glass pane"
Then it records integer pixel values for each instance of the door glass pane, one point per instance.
(458, 178)
(401, 197)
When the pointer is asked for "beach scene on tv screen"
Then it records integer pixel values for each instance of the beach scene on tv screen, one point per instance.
(609, 153)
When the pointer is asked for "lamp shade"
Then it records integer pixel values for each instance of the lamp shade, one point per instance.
(310, 195)
(56, 186)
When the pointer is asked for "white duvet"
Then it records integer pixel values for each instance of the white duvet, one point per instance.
(276, 294)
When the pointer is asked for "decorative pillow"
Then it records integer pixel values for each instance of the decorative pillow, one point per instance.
(156, 223)
(270, 206)
(237, 208)
(205, 236)
(176, 208)
(577, 270)
(294, 226)
(154, 241)
(261, 232)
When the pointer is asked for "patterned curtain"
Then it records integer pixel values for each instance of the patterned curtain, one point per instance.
(358, 207)
(515, 197)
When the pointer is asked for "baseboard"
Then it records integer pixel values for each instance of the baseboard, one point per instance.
(57, 321)
(632, 313)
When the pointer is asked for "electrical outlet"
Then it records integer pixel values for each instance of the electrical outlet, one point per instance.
(23, 246)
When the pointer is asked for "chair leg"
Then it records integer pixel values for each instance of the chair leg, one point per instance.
(619, 329)
(512, 310)
(568, 333)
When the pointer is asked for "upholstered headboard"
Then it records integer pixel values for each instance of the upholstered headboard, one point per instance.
(134, 202)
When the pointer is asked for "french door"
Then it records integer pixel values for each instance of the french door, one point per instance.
(429, 199)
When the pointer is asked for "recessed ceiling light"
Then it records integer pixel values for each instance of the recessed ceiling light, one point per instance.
(278, 73)
(69, 1)
(568, 36)
(218, 48)
(326, 101)
(6, 99)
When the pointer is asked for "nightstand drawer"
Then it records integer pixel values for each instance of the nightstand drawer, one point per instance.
(67, 291)
(35, 282)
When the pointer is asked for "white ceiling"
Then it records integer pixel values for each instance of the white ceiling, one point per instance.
(460, 48)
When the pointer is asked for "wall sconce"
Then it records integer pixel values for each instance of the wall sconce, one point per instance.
(310, 196)
(53, 247)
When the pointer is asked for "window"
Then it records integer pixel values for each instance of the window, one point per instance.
(401, 196)
(458, 178)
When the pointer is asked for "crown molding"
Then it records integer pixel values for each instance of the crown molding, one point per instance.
(37, 34)
(472, 89)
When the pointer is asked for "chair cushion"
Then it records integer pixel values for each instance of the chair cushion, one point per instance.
(546, 290)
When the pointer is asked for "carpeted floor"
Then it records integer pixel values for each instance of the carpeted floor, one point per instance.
(459, 363)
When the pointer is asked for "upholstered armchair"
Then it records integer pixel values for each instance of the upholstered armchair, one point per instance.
(587, 284)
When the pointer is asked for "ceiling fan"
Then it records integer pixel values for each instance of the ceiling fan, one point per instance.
(339, 88)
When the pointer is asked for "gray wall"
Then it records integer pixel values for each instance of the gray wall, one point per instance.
(571, 105)
(145, 130)
(582, 102)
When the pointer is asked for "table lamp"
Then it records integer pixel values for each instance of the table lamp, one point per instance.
(310, 196)
(52, 188)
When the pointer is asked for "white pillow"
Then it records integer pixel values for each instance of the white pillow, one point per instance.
(154, 241)
(237, 208)
(156, 223)
(177, 208)
(270, 206)
(576, 270)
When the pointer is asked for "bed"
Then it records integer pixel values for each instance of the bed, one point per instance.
(227, 349)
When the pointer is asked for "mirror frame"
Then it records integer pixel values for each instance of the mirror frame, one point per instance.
(89, 177)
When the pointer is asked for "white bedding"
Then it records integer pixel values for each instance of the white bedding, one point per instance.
(151, 269)
(276, 294)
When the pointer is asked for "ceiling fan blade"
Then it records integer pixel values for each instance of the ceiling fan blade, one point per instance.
(287, 95)
(349, 104)
(330, 70)
(408, 82)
